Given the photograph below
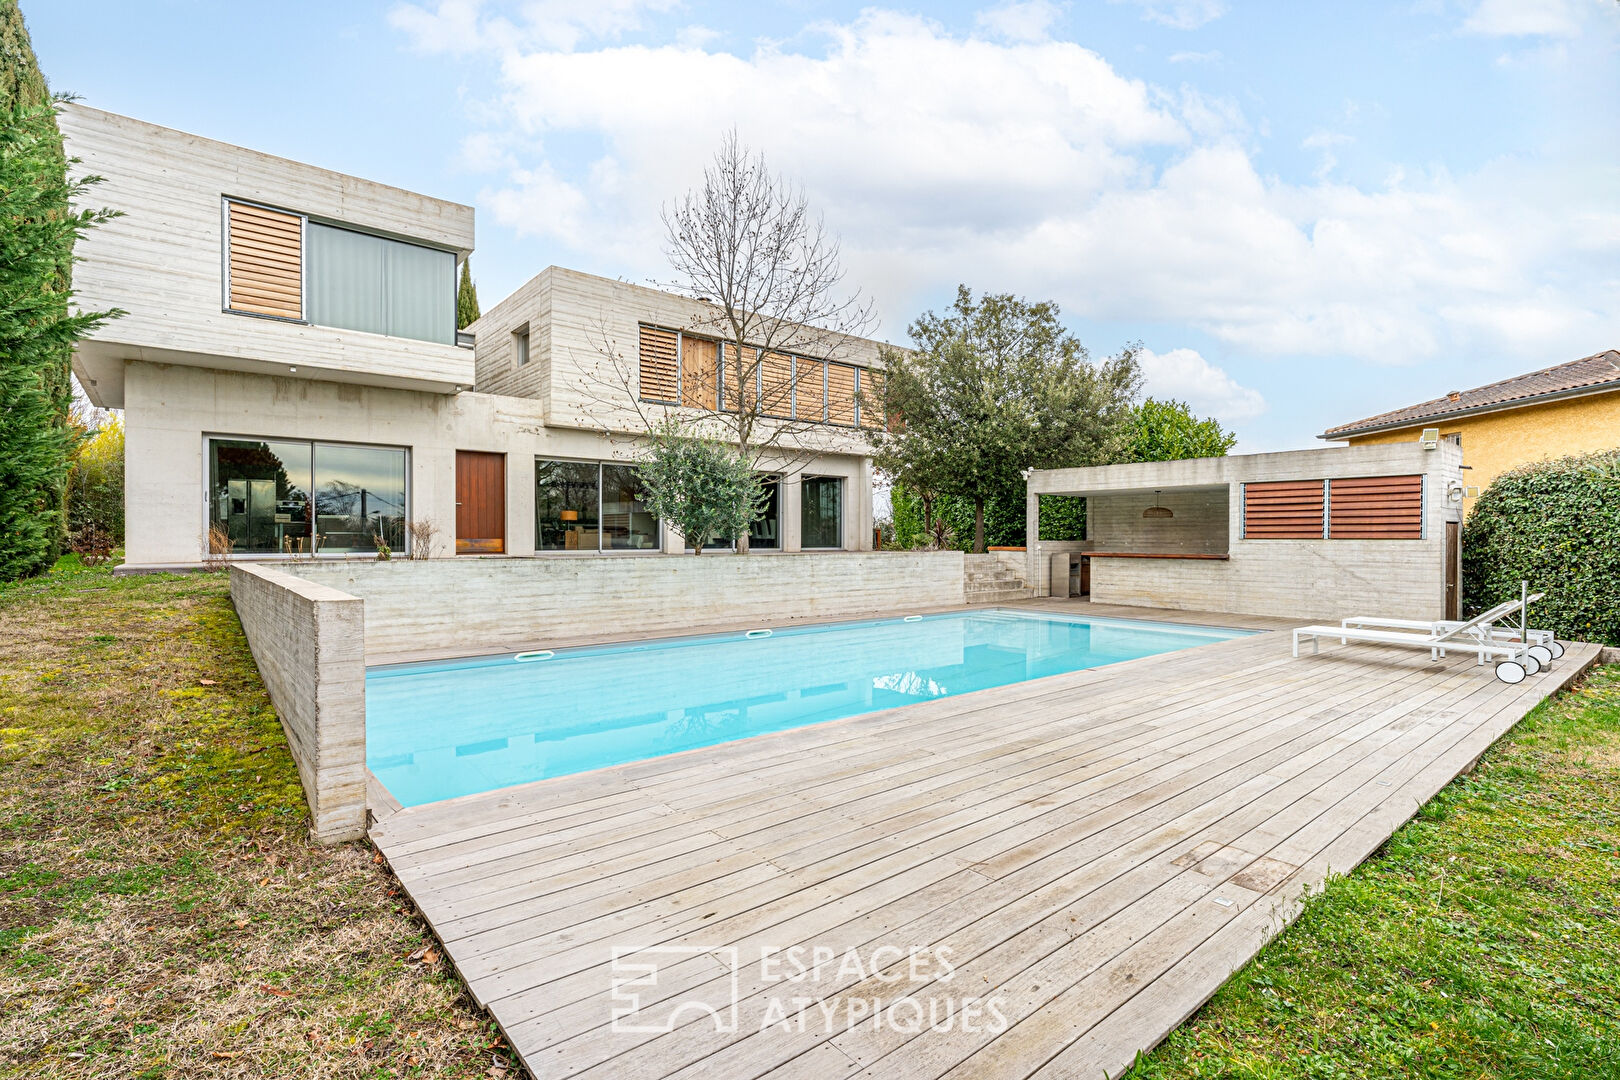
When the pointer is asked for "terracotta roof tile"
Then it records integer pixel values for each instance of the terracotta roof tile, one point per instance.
(1588, 373)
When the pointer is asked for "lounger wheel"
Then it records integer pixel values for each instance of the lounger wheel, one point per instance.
(1532, 666)
(1541, 653)
(1556, 647)
(1511, 671)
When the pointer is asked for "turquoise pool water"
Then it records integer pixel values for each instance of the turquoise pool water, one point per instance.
(436, 731)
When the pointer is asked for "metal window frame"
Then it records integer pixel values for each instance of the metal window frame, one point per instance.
(842, 492)
(207, 507)
(600, 463)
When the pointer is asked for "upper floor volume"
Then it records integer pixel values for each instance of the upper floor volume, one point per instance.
(263, 264)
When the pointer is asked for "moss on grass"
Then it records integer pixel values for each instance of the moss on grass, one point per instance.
(162, 913)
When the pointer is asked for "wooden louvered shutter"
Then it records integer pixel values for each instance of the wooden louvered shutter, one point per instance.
(810, 394)
(871, 398)
(699, 367)
(1376, 508)
(841, 394)
(1283, 510)
(660, 349)
(266, 261)
(776, 385)
(749, 367)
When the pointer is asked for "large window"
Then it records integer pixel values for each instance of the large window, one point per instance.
(821, 500)
(278, 496)
(591, 506)
(363, 282)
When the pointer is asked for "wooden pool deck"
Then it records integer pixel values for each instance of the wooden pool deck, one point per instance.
(1092, 853)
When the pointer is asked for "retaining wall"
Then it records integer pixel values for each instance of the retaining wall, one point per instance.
(479, 604)
(308, 640)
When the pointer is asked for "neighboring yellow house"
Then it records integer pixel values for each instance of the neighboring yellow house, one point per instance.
(1573, 408)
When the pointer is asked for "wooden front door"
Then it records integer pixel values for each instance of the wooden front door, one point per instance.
(1453, 559)
(480, 503)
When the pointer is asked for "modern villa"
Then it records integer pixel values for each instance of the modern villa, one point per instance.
(292, 378)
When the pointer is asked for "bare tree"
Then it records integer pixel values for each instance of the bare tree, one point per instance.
(770, 281)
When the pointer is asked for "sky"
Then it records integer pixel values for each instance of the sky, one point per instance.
(1306, 212)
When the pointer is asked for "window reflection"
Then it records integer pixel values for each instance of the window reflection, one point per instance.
(566, 502)
(260, 492)
(627, 524)
(359, 498)
(822, 511)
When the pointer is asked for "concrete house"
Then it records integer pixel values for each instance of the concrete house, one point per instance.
(1571, 408)
(293, 381)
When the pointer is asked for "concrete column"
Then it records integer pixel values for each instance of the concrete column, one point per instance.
(790, 510)
(1032, 539)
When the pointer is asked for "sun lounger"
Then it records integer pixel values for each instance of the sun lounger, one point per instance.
(1518, 651)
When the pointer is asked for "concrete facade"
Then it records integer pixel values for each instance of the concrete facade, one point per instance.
(1305, 579)
(308, 641)
(173, 409)
(185, 369)
(445, 607)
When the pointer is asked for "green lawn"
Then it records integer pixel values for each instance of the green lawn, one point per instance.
(1482, 941)
(162, 915)
(161, 912)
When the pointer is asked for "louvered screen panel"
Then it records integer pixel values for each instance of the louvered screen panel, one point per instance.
(1283, 510)
(266, 261)
(1376, 508)
(810, 398)
(700, 362)
(776, 385)
(841, 394)
(871, 398)
(738, 377)
(660, 350)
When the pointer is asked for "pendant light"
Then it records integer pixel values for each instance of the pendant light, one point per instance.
(1157, 511)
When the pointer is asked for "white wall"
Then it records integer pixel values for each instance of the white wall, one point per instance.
(171, 408)
(471, 605)
(162, 260)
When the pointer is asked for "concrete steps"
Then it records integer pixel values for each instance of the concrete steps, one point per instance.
(989, 580)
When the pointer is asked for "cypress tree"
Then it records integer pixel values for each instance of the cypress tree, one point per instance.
(37, 232)
(466, 298)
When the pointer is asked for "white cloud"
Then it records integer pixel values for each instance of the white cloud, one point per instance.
(1019, 20)
(1211, 57)
(1179, 14)
(1185, 375)
(1520, 18)
(1037, 167)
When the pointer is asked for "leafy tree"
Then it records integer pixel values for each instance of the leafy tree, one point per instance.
(37, 233)
(96, 483)
(1169, 431)
(996, 386)
(1555, 524)
(466, 298)
(704, 487)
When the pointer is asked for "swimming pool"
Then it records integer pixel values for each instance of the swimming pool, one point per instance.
(436, 731)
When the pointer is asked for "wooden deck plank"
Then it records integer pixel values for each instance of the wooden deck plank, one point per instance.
(1067, 835)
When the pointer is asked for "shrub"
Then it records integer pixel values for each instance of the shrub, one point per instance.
(1555, 524)
(705, 488)
(96, 483)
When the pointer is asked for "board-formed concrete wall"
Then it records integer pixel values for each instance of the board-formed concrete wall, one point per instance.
(1315, 579)
(308, 641)
(466, 606)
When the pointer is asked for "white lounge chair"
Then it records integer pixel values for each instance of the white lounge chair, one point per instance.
(1519, 651)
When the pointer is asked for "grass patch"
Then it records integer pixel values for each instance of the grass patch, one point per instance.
(162, 913)
(1482, 941)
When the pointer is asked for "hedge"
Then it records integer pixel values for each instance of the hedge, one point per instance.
(1555, 524)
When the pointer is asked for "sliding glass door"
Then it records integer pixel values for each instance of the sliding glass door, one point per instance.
(591, 506)
(294, 497)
